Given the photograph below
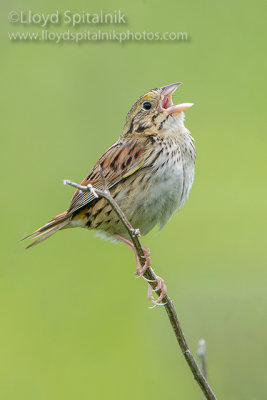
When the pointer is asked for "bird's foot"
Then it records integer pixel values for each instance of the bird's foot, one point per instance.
(141, 270)
(160, 282)
(163, 292)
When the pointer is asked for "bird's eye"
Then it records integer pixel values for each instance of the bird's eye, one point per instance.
(147, 105)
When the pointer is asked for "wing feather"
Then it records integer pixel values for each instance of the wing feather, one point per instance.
(119, 162)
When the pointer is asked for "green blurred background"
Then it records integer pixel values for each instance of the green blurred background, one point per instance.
(74, 321)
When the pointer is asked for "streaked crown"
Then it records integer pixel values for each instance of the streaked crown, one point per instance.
(152, 110)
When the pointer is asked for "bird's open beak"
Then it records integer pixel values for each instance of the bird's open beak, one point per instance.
(166, 100)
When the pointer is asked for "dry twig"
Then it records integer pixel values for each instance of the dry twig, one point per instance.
(151, 276)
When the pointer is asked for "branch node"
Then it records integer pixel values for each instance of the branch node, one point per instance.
(136, 233)
(187, 352)
(92, 190)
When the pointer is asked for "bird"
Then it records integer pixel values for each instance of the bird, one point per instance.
(149, 172)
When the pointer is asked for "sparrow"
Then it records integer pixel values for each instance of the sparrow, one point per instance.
(149, 172)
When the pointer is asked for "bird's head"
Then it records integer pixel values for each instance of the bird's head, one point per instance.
(155, 111)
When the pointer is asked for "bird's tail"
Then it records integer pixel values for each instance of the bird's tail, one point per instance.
(57, 223)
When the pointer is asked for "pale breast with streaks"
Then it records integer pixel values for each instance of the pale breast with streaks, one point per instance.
(150, 196)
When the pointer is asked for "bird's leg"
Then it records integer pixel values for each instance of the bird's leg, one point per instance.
(141, 270)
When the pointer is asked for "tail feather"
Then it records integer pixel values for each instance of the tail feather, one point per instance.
(57, 223)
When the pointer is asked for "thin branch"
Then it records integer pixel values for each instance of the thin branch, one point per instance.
(151, 276)
(201, 352)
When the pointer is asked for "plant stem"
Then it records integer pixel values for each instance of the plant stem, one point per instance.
(151, 276)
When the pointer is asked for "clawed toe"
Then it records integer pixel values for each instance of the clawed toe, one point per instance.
(145, 279)
(156, 305)
(141, 270)
(163, 292)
